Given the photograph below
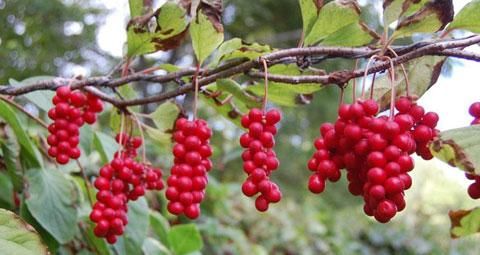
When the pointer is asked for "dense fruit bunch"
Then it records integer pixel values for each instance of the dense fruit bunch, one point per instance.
(72, 109)
(375, 151)
(474, 188)
(259, 158)
(120, 181)
(188, 179)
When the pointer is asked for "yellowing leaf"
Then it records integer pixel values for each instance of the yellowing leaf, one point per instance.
(464, 222)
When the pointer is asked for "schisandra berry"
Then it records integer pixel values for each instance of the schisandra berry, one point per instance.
(474, 188)
(188, 179)
(259, 158)
(72, 109)
(375, 151)
(120, 181)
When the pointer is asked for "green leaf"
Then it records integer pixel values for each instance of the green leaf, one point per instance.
(332, 17)
(237, 49)
(238, 92)
(355, 34)
(230, 109)
(161, 137)
(52, 202)
(26, 144)
(171, 28)
(153, 247)
(185, 239)
(41, 98)
(465, 222)
(468, 18)
(459, 147)
(284, 93)
(160, 227)
(10, 156)
(207, 35)
(165, 115)
(432, 17)
(136, 7)
(136, 230)
(47, 238)
(396, 9)
(105, 145)
(422, 74)
(310, 10)
(6, 191)
(17, 237)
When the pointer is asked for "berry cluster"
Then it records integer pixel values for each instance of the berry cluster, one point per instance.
(375, 151)
(188, 179)
(120, 181)
(72, 109)
(259, 159)
(474, 188)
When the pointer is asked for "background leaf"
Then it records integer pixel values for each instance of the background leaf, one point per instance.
(237, 49)
(185, 239)
(468, 18)
(434, 16)
(459, 147)
(332, 17)
(206, 36)
(310, 10)
(154, 247)
(160, 227)
(465, 222)
(422, 74)
(165, 115)
(17, 237)
(41, 98)
(52, 202)
(136, 231)
(105, 145)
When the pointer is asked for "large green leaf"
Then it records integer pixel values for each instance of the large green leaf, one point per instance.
(464, 222)
(52, 202)
(459, 147)
(207, 35)
(237, 49)
(433, 16)
(171, 28)
(154, 247)
(41, 98)
(396, 9)
(422, 73)
(47, 238)
(185, 239)
(136, 230)
(26, 144)
(165, 115)
(17, 237)
(355, 34)
(160, 227)
(310, 10)
(136, 7)
(105, 145)
(468, 18)
(332, 17)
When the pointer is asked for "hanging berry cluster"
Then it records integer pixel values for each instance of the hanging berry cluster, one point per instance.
(259, 157)
(120, 181)
(375, 151)
(188, 179)
(474, 188)
(72, 109)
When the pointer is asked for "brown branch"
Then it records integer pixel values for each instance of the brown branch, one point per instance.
(406, 53)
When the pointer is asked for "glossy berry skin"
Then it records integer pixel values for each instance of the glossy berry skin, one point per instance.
(259, 157)
(68, 115)
(375, 151)
(188, 179)
(120, 181)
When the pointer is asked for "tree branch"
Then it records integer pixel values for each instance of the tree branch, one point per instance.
(451, 48)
